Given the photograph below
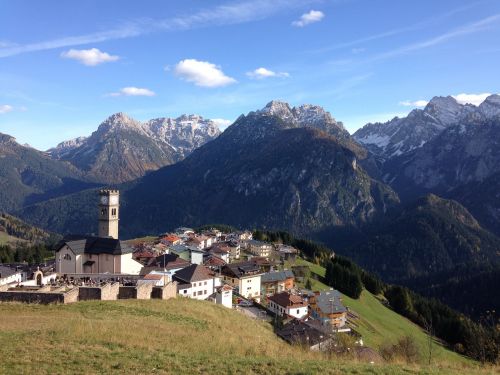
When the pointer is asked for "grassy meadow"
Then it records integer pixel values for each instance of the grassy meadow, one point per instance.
(178, 336)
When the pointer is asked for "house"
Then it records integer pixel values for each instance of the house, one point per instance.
(184, 231)
(264, 263)
(234, 249)
(286, 304)
(195, 281)
(327, 307)
(260, 248)
(10, 275)
(181, 250)
(170, 239)
(167, 262)
(95, 255)
(224, 296)
(143, 256)
(196, 256)
(279, 281)
(213, 262)
(287, 252)
(298, 332)
(220, 251)
(245, 276)
(155, 279)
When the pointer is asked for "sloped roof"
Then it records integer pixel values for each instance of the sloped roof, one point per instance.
(95, 245)
(298, 332)
(193, 273)
(329, 302)
(241, 269)
(272, 277)
(286, 299)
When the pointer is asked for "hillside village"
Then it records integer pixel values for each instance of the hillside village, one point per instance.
(230, 268)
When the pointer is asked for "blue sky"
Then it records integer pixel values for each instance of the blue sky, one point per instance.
(66, 66)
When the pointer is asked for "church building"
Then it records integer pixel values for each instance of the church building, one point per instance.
(102, 254)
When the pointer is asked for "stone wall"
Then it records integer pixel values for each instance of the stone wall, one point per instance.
(142, 291)
(165, 292)
(37, 296)
(106, 292)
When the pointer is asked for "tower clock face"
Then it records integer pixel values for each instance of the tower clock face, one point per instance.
(113, 199)
(104, 199)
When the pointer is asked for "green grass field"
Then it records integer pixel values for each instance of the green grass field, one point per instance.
(178, 336)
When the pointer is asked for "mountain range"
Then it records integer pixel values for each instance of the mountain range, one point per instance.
(123, 149)
(408, 199)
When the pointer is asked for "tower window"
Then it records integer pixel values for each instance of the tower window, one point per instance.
(113, 211)
(103, 212)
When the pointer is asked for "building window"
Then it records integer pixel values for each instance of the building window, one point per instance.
(185, 291)
(204, 292)
(113, 211)
(67, 257)
(298, 311)
(205, 283)
(194, 284)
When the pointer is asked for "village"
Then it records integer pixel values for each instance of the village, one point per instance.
(231, 268)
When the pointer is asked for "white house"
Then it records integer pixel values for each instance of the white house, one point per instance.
(286, 304)
(195, 281)
(95, 255)
(224, 296)
(260, 248)
(196, 255)
(10, 275)
(245, 276)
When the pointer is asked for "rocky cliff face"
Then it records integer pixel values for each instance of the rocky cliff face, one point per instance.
(123, 149)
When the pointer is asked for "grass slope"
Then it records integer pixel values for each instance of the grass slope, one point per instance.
(175, 336)
(378, 324)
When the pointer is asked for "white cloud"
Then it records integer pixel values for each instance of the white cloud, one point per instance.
(261, 73)
(5, 108)
(308, 18)
(416, 103)
(133, 91)
(89, 57)
(222, 123)
(474, 99)
(202, 73)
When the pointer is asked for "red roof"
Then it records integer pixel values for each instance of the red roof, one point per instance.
(153, 276)
(286, 299)
(171, 238)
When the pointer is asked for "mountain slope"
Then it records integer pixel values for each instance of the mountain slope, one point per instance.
(19, 230)
(428, 237)
(264, 170)
(123, 149)
(465, 153)
(28, 176)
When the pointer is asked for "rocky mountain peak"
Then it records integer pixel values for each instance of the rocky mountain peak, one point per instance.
(445, 109)
(117, 121)
(491, 106)
(277, 108)
(6, 139)
(306, 115)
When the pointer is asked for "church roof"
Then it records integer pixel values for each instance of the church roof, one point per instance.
(95, 245)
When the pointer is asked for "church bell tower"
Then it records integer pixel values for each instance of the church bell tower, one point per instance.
(109, 205)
